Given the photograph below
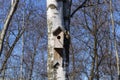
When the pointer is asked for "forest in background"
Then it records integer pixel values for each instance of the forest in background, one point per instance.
(92, 50)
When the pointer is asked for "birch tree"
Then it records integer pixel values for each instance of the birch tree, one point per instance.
(58, 38)
(14, 4)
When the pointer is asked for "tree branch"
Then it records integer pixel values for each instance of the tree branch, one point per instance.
(6, 25)
(82, 5)
(11, 49)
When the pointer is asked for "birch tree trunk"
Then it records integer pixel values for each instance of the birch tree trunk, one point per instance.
(14, 4)
(58, 39)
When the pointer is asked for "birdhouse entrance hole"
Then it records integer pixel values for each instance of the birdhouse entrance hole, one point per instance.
(58, 37)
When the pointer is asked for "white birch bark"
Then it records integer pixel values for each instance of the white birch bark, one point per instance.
(54, 21)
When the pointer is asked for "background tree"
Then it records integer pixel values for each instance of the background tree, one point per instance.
(92, 49)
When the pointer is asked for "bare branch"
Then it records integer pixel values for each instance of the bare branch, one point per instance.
(6, 25)
(82, 5)
(11, 49)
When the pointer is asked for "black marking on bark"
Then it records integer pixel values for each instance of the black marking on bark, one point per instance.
(56, 64)
(52, 6)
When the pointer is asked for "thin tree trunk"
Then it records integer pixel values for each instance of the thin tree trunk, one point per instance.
(3, 72)
(10, 50)
(7, 22)
(22, 57)
(73, 64)
(32, 65)
(115, 41)
(92, 69)
(6, 50)
(95, 57)
(33, 60)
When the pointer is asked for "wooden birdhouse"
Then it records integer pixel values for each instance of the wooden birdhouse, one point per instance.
(58, 38)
